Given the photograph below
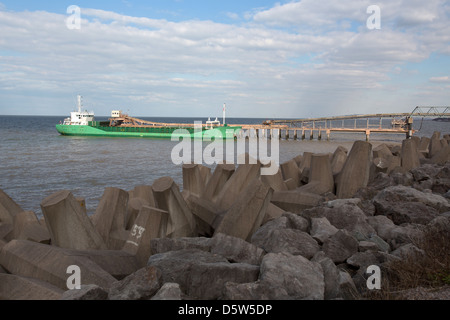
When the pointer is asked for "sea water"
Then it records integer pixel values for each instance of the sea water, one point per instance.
(35, 161)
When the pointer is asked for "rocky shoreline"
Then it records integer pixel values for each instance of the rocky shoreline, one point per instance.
(309, 232)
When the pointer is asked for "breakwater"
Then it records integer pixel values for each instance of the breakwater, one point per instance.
(230, 233)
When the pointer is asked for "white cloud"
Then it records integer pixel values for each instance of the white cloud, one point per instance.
(440, 79)
(261, 68)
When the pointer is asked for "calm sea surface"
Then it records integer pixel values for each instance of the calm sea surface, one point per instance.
(35, 161)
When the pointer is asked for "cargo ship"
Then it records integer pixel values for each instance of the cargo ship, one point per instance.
(82, 123)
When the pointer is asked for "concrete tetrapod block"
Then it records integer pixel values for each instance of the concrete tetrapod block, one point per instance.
(50, 264)
(442, 156)
(435, 144)
(68, 225)
(8, 208)
(220, 176)
(151, 223)
(133, 208)
(248, 212)
(193, 181)
(295, 201)
(289, 169)
(205, 213)
(110, 217)
(410, 155)
(181, 222)
(320, 175)
(28, 227)
(356, 171)
(20, 288)
(276, 181)
(139, 196)
(338, 160)
(382, 151)
(306, 161)
(238, 182)
(424, 144)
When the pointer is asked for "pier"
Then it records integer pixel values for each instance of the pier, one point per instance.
(322, 128)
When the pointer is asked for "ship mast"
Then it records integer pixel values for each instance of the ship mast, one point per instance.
(79, 103)
(224, 112)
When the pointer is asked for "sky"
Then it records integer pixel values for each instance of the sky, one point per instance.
(186, 58)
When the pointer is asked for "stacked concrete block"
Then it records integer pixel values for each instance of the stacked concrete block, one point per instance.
(151, 223)
(356, 171)
(110, 217)
(248, 211)
(236, 184)
(181, 222)
(290, 170)
(321, 178)
(68, 225)
(410, 155)
(217, 181)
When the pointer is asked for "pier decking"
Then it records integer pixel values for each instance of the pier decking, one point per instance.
(400, 123)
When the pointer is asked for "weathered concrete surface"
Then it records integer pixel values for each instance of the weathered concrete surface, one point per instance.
(435, 144)
(442, 156)
(27, 227)
(247, 212)
(8, 208)
(68, 225)
(338, 160)
(110, 217)
(49, 263)
(216, 182)
(409, 155)
(295, 201)
(168, 197)
(151, 223)
(276, 181)
(321, 178)
(193, 180)
(289, 169)
(236, 184)
(356, 171)
(205, 213)
(13, 287)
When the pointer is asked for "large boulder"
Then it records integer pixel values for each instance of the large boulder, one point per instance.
(292, 241)
(200, 274)
(141, 285)
(405, 204)
(296, 275)
(340, 246)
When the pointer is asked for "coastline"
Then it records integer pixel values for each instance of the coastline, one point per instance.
(330, 215)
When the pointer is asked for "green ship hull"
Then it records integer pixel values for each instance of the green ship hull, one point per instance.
(95, 129)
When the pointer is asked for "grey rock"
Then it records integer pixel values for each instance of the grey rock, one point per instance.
(299, 277)
(340, 246)
(293, 241)
(200, 274)
(169, 291)
(141, 285)
(90, 292)
(322, 229)
(236, 249)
